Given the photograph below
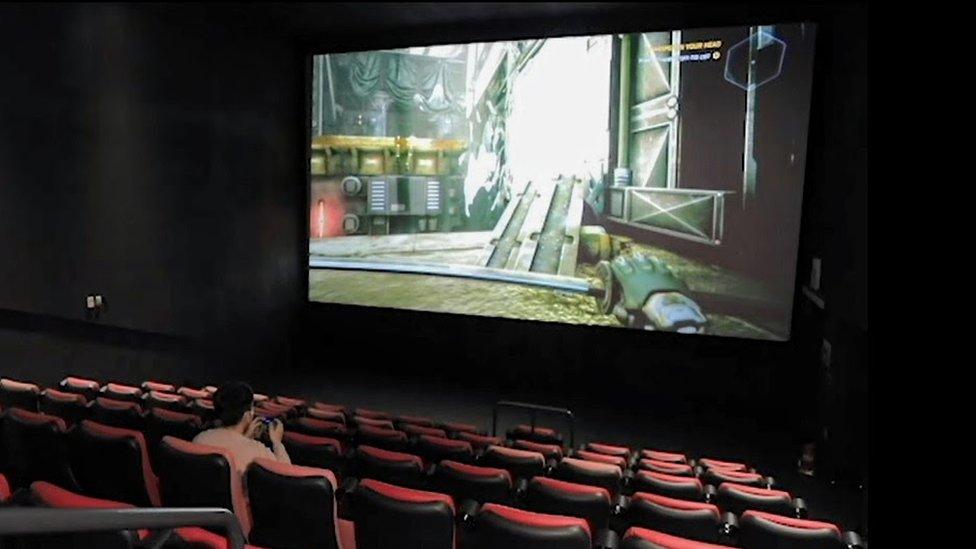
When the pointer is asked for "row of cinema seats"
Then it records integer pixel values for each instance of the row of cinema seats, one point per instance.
(405, 481)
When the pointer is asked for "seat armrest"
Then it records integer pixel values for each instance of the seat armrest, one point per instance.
(348, 486)
(729, 528)
(520, 488)
(710, 493)
(852, 540)
(800, 508)
(620, 506)
(550, 466)
(466, 511)
(628, 478)
(606, 539)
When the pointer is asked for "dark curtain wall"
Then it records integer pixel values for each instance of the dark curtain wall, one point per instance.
(154, 155)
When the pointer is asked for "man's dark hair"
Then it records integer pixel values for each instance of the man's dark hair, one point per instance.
(232, 401)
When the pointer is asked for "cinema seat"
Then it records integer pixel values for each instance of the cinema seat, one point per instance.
(418, 430)
(329, 407)
(716, 477)
(379, 423)
(558, 497)
(435, 448)
(497, 526)
(87, 388)
(35, 448)
(597, 457)
(739, 498)
(642, 538)
(113, 463)
(544, 435)
(45, 494)
(118, 391)
(290, 402)
(193, 394)
(5, 491)
(162, 423)
(666, 467)
(520, 463)
(371, 414)
(274, 409)
(480, 484)
(294, 506)
(19, 394)
(148, 386)
(196, 475)
(118, 413)
(479, 442)
(688, 488)
(758, 530)
(456, 428)
(326, 415)
(48, 495)
(396, 468)
(204, 409)
(319, 428)
(549, 451)
(313, 451)
(389, 439)
(658, 455)
(689, 519)
(169, 401)
(393, 517)
(724, 465)
(414, 420)
(71, 407)
(609, 449)
(604, 475)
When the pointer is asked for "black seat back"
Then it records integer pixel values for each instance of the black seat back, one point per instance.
(291, 506)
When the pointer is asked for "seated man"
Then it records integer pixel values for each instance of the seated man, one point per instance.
(239, 428)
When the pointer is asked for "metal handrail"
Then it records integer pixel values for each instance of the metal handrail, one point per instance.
(40, 520)
(533, 409)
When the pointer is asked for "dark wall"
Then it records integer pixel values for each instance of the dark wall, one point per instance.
(151, 154)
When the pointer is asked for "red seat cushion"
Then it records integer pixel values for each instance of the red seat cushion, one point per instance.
(800, 524)
(667, 541)
(726, 465)
(671, 478)
(193, 394)
(679, 504)
(407, 494)
(553, 451)
(603, 458)
(480, 441)
(61, 396)
(157, 386)
(49, 495)
(477, 470)
(4, 489)
(80, 383)
(536, 520)
(756, 491)
(302, 438)
(666, 467)
(426, 431)
(35, 418)
(664, 456)
(20, 386)
(608, 449)
(387, 455)
(572, 487)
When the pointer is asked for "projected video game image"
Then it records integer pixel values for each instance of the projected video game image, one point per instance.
(650, 181)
